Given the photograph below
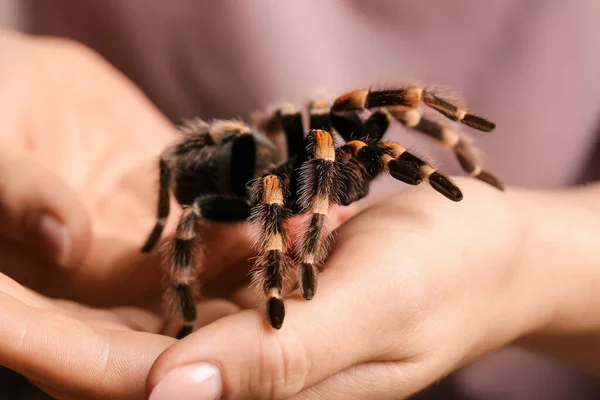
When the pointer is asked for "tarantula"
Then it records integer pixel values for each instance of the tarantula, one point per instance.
(228, 171)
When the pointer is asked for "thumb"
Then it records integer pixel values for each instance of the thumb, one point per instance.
(241, 356)
(40, 211)
(74, 352)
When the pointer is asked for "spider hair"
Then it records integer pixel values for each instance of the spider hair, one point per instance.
(228, 171)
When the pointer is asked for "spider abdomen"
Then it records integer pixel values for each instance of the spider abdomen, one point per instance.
(204, 171)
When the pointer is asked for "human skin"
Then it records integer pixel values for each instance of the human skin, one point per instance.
(415, 286)
(79, 146)
(80, 143)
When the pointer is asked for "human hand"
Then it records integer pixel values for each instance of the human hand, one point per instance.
(415, 287)
(79, 143)
(80, 146)
(75, 352)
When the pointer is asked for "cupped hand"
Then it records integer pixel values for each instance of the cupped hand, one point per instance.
(79, 143)
(79, 166)
(415, 287)
(79, 146)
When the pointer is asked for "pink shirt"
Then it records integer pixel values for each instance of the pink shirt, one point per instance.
(532, 67)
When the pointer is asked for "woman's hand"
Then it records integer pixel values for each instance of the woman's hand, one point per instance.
(79, 147)
(79, 144)
(75, 352)
(415, 287)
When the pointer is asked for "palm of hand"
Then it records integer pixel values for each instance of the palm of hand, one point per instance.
(65, 109)
(70, 113)
(98, 134)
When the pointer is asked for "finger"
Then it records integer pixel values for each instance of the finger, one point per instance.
(71, 359)
(247, 359)
(208, 311)
(212, 310)
(340, 214)
(337, 216)
(119, 318)
(40, 211)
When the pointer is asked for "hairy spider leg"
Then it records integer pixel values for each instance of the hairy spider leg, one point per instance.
(357, 174)
(270, 193)
(181, 292)
(319, 114)
(348, 125)
(351, 127)
(376, 126)
(291, 122)
(162, 212)
(402, 165)
(402, 104)
(289, 118)
(318, 182)
(464, 150)
(355, 179)
(182, 288)
(412, 97)
(243, 161)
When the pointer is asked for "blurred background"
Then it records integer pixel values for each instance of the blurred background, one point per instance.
(531, 66)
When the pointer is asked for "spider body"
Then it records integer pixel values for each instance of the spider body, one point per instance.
(204, 161)
(227, 171)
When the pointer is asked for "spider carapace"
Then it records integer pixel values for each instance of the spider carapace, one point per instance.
(228, 171)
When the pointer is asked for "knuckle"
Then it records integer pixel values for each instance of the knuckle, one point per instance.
(75, 52)
(282, 369)
(62, 43)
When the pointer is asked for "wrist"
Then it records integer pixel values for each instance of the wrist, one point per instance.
(515, 309)
(559, 273)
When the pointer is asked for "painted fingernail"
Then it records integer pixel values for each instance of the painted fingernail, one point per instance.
(197, 381)
(55, 237)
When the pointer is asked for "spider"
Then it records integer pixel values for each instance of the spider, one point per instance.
(229, 171)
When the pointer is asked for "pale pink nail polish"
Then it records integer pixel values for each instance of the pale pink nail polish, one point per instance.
(55, 237)
(196, 381)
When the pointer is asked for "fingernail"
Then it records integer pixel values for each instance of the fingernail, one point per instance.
(55, 237)
(196, 381)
